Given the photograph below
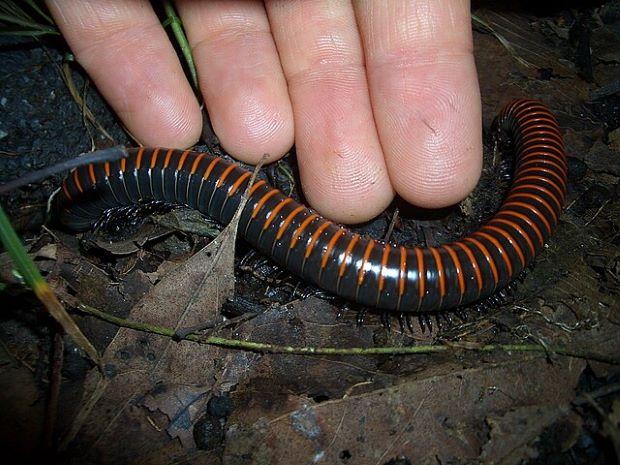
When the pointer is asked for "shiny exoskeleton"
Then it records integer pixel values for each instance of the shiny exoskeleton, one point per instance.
(368, 271)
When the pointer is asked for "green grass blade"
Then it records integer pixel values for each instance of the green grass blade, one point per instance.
(44, 293)
(40, 12)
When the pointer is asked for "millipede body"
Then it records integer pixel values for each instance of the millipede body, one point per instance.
(365, 270)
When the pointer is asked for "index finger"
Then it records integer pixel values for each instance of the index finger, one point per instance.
(124, 49)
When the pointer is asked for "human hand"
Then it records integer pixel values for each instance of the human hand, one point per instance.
(379, 97)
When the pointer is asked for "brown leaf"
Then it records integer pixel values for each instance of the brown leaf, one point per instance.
(434, 419)
(134, 363)
(513, 435)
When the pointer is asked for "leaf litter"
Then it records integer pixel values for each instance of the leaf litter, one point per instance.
(463, 408)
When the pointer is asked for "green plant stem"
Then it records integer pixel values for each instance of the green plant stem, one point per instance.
(278, 349)
(177, 30)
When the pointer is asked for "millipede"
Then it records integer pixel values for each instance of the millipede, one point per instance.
(387, 276)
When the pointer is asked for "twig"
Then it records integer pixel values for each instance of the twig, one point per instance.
(65, 73)
(98, 156)
(278, 349)
(54, 390)
(177, 30)
(388, 234)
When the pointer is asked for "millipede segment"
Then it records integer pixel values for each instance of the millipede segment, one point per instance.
(373, 273)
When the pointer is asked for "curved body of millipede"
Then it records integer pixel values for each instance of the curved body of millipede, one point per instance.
(371, 272)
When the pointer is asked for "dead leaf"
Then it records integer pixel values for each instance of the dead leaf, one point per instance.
(513, 435)
(433, 419)
(134, 363)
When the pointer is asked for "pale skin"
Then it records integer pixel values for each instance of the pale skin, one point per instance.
(380, 98)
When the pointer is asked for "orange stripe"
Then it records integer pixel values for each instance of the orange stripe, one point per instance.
(286, 223)
(440, 271)
(224, 175)
(421, 272)
(255, 187)
(384, 259)
(362, 272)
(474, 263)
(487, 255)
(167, 159)
(510, 239)
(76, 179)
(499, 247)
(533, 209)
(528, 221)
(298, 232)
(347, 252)
(139, 157)
(196, 162)
(556, 157)
(547, 181)
(530, 143)
(543, 161)
(154, 156)
(457, 265)
(536, 110)
(262, 201)
(315, 237)
(403, 271)
(520, 230)
(562, 181)
(214, 162)
(536, 129)
(238, 182)
(273, 213)
(540, 136)
(540, 189)
(536, 198)
(91, 173)
(123, 164)
(330, 245)
(106, 167)
(65, 190)
(182, 160)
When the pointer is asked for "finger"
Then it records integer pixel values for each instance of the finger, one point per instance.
(341, 163)
(125, 51)
(240, 76)
(425, 96)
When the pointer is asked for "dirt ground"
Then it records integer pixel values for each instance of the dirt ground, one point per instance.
(161, 400)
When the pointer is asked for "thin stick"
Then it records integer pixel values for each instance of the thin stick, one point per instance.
(388, 234)
(98, 156)
(54, 390)
(278, 349)
(177, 30)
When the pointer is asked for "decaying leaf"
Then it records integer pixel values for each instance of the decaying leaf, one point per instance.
(137, 364)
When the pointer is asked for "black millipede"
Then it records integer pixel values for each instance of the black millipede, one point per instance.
(371, 272)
